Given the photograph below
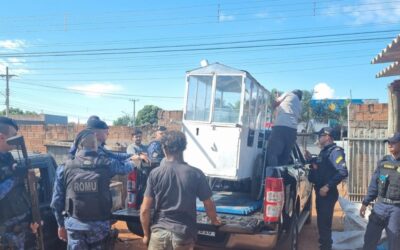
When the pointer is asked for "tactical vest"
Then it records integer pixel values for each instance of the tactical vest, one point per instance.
(16, 202)
(88, 195)
(389, 179)
(326, 170)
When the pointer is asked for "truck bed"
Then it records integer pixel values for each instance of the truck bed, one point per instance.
(232, 203)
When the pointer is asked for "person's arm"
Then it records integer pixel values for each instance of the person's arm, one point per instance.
(58, 202)
(5, 187)
(337, 158)
(372, 192)
(145, 208)
(211, 211)
(121, 167)
(145, 213)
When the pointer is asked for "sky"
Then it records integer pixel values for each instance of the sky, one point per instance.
(81, 58)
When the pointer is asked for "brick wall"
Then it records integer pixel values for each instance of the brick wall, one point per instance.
(36, 136)
(368, 119)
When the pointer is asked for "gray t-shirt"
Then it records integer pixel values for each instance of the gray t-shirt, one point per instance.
(136, 149)
(288, 111)
(174, 188)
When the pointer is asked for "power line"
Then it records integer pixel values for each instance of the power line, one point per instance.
(118, 51)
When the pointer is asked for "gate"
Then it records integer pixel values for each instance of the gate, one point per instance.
(365, 148)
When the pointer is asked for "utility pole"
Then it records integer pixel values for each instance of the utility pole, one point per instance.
(134, 110)
(7, 76)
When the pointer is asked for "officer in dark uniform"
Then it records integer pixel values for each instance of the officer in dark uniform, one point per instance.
(81, 189)
(327, 171)
(14, 199)
(385, 188)
(100, 128)
(154, 150)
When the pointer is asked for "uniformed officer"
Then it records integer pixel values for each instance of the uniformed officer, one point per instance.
(385, 188)
(81, 189)
(154, 150)
(14, 200)
(326, 173)
(100, 128)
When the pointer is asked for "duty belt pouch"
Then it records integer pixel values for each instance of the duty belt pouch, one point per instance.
(378, 219)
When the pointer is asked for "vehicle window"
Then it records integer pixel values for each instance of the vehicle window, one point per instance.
(198, 98)
(227, 99)
(246, 102)
(253, 106)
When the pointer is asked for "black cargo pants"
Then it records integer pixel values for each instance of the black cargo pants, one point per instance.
(325, 207)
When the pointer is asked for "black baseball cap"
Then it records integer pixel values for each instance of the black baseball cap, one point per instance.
(325, 131)
(8, 121)
(96, 124)
(394, 138)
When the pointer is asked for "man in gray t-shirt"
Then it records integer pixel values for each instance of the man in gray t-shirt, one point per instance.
(173, 188)
(284, 131)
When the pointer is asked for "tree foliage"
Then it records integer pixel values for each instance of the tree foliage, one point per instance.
(17, 111)
(147, 115)
(125, 120)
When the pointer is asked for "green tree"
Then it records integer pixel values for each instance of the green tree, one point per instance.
(306, 111)
(17, 111)
(125, 120)
(148, 114)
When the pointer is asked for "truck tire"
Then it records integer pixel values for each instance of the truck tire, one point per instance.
(308, 207)
(257, 178)
(293, 238)
(135, 228)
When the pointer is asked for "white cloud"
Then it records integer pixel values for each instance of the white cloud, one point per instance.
(97, 89)
(262, 14)
(323, 91)
(16, 61)
(12, 44)
(376, 11)
(223, 17)
(367, 11)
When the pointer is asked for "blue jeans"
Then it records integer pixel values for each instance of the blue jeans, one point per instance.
(162, 239)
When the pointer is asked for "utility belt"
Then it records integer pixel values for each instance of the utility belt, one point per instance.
(388, 201)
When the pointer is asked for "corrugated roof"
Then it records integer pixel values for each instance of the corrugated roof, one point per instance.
(392, 70)
(389, 54)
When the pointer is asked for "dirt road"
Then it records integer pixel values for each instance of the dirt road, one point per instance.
(308, 236)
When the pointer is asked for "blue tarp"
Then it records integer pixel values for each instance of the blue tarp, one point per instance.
(232, 203)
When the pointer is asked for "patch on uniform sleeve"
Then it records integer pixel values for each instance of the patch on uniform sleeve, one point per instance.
(154, 155)
(388, 166)
(339, 159)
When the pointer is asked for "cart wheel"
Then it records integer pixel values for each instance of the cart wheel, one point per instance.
(257, 178)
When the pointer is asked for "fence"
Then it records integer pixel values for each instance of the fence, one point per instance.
(365, 148)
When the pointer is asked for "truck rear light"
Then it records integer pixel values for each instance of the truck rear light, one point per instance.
(132, 190)
(273, 199)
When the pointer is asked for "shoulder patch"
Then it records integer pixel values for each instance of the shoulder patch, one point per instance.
(388, 166)
(339, 159)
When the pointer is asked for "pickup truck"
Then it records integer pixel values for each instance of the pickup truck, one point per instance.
(264, 213)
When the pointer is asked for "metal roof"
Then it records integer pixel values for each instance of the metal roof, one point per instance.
(389, 54)
(392, 70)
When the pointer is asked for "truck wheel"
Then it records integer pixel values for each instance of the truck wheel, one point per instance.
(135, 228)
(308, 207)
(294, 233)
(257, 178)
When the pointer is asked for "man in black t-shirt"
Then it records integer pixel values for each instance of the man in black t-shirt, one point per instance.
(173, 188)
